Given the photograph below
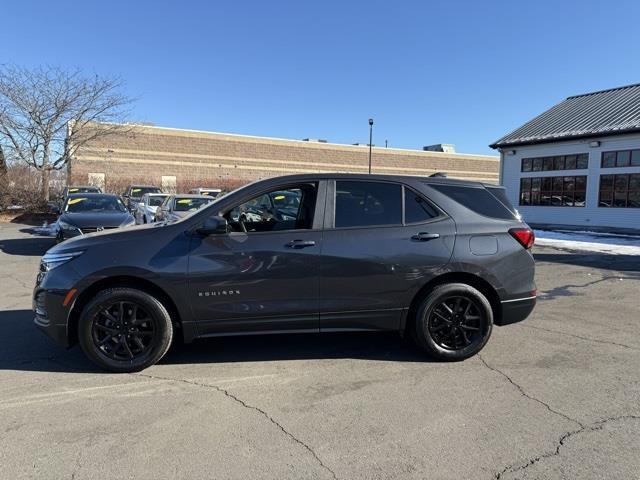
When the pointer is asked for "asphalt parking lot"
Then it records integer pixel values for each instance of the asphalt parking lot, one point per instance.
(557, 396)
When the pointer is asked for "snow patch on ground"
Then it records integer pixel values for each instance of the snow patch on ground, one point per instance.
(47, 229)
(615, 244)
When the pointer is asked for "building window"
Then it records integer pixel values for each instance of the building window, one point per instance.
(553, 191)
(578, 161)
(621, 158)
(622, 191)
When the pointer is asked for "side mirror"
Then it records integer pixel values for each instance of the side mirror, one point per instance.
(213, 226)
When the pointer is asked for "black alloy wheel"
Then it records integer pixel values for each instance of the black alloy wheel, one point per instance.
(456, 322)
(123, 330)
(453, 322)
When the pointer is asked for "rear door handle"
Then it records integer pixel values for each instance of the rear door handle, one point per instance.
(300, 244)
(425, 237)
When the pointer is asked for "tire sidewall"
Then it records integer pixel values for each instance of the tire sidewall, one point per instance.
(155, 308)
(440, 292)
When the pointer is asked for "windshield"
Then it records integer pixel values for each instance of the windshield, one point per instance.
(137, 192)
(94, 204)
(156, 200)
(189, 204)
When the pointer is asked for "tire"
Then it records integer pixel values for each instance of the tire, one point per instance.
(116, 312)
(453, 322)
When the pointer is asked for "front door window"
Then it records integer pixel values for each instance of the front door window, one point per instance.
(279, 210)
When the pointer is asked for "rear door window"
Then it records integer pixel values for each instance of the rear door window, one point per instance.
(417, 209)
(477, 199)
(364, 204)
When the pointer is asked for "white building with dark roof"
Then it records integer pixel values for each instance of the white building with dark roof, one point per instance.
(578, 163)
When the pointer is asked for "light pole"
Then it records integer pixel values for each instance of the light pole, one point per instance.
(370, 141)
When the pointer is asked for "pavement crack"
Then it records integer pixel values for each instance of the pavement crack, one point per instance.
(581, 337)
(248, 406)
(599, 425)
(525, 394)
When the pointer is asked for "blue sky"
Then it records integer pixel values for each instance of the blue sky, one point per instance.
(463, 72)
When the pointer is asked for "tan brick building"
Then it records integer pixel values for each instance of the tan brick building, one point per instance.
(182, 159)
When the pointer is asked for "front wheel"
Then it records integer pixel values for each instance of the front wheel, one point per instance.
(454, 322)
(125, 330)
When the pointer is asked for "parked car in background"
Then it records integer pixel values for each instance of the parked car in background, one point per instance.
(133, 194)
(437, 259)
(149, 203)
(209, 192)
(76, 189)
(175, 207)
(84, 213)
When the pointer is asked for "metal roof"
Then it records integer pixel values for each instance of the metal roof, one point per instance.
(607, 112)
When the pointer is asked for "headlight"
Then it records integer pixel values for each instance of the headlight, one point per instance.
(53, 260)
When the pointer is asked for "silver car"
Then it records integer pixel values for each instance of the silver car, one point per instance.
(176, 207)
(145, 212)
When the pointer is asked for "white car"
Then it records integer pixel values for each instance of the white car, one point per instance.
(146, 209)
(209, 192)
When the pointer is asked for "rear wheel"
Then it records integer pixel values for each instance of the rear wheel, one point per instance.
(125, 330)
(453, 322)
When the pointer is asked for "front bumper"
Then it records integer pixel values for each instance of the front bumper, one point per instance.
(50, 314)
(516, 310)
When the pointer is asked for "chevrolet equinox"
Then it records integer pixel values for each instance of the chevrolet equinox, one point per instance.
(438, 259)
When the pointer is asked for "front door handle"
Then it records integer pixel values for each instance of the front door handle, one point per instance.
(425, 237)
(300, 244)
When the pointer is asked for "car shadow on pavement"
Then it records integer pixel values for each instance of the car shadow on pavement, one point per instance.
(381, 346)
(32, 247)
(621, 263)
(24, 348)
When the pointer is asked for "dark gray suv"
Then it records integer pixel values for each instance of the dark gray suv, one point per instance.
(442, 260)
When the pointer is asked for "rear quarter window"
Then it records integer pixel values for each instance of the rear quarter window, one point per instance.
(477, 199)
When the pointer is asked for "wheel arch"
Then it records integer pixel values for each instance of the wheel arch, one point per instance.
(471, 279)
(128, 281)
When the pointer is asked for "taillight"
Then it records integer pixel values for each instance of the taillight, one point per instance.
(524, 236)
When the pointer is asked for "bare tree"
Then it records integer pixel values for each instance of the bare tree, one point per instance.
(4, 181)
(47, 113)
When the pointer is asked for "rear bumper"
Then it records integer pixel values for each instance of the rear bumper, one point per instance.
(516, 310)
